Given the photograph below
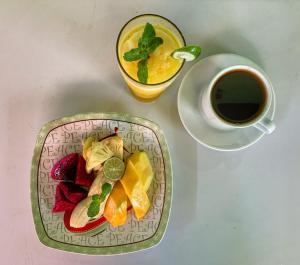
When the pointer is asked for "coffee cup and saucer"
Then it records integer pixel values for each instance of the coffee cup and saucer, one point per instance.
(226, 102)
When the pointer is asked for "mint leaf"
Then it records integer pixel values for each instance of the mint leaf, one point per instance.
(95, 197)
(149, 32)
(132, 55)
(154, 43)
(94, 207)
(143, 43)
(142, 71)
(147, 36)
(106, 189)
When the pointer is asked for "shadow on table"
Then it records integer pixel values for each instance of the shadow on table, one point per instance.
(183, 151)
(185, 183)
(231, 41)
(89, 96)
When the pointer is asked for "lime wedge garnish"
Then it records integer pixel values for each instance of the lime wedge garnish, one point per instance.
(188, 53)
(113, 168)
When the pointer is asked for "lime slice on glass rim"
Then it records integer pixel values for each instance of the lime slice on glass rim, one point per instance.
(113, 168)
(188, 53)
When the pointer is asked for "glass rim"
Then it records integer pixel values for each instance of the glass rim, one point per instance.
(118, 39)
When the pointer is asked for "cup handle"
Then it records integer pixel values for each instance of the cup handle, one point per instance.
(265, 125)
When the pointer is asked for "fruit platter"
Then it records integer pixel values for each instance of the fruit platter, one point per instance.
(101, 183)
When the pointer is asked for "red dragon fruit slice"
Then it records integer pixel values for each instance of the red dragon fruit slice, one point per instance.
(61, 202)
(65, 169)
(72, 192)
(82, 177)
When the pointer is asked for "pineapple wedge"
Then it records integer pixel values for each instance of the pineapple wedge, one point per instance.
(95, 152)
(115, 144)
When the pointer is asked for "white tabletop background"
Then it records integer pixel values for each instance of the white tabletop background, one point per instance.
(57, 58)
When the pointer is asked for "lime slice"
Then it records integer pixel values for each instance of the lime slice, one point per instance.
(113, 168)
(188, 53)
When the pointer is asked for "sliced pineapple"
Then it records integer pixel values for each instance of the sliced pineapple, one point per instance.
(115, 144)
(99, 153)
(95, 153)
(87, 146)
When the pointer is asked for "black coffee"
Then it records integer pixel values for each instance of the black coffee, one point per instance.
(238, 96)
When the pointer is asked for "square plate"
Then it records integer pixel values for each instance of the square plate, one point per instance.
(63, 136)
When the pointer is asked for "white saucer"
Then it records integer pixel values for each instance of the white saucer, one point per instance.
(195, 80)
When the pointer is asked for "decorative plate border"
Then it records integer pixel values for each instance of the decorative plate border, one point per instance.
(152, 241)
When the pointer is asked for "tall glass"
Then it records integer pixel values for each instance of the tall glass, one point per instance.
(151, 90)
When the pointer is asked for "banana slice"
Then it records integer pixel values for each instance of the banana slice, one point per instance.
(97, 184)
(79, 217)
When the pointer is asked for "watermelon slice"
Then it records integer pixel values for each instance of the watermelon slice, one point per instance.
(61, 202)
(72, 192)
(65, 169)
(67, 195)
(82, 177)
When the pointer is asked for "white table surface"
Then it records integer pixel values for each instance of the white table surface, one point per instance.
(58, 58)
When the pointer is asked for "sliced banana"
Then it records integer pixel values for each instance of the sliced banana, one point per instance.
(97, 184)
(79, 217)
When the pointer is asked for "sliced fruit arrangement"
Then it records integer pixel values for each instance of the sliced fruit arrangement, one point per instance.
(98, 186)
(130, 190)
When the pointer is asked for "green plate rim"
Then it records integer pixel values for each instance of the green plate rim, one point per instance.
(152, 241)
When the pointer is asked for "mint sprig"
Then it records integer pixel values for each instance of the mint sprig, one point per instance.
(133, 55)
(142, 71)
(149, 32)
(147, 44)
(154, 43)
(97, 199)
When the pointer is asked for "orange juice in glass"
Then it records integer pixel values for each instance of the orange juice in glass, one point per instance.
(162, 67)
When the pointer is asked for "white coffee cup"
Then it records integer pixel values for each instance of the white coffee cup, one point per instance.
(260, 121)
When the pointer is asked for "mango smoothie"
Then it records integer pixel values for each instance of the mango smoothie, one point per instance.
(162, 67)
